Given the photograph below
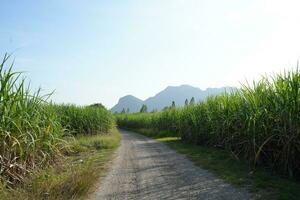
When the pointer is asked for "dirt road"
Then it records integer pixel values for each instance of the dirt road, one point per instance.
(147, 169)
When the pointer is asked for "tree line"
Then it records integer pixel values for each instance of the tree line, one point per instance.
(144, 108)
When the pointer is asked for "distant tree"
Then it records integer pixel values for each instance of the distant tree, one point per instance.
(143, 109)
(186, 103)
(98, 105)
(192, 101)
(173, 104)
(127, 111)
(154, 110)
(123, 111)
(166, 108)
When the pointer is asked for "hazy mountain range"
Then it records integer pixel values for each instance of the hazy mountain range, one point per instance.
(164, 98)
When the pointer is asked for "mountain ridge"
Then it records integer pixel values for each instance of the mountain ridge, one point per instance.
(164, 98)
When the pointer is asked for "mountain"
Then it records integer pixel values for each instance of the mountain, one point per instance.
(128, 102)
(164, 98)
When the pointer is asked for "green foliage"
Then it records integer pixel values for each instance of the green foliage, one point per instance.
(260, 123)
(166, 108)
(144, 109)
(165, 120)
(186, 103)
(173, 104)
(29, 130)
(192, 101)
(73, 175)
(32, 130)
(123, 110)
(98, 105)
(84, 119)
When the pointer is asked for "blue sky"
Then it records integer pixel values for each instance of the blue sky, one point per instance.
(97, 51)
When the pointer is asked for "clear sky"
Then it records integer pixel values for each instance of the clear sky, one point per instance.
(97, 51)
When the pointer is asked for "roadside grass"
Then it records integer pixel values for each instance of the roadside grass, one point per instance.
(72, 176)
(262, 183)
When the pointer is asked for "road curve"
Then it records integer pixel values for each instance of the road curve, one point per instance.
(147, 169)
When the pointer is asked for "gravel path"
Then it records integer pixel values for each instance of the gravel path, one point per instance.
(147, 169)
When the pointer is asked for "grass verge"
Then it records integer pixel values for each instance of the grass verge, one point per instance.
(72, 176)
(260, 182)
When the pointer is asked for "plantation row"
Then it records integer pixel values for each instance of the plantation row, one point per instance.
(260, 123)
(32, 130)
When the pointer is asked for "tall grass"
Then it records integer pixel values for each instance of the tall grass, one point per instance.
(29, 130)
(32, 129)
(260, 123)
(84, 119)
